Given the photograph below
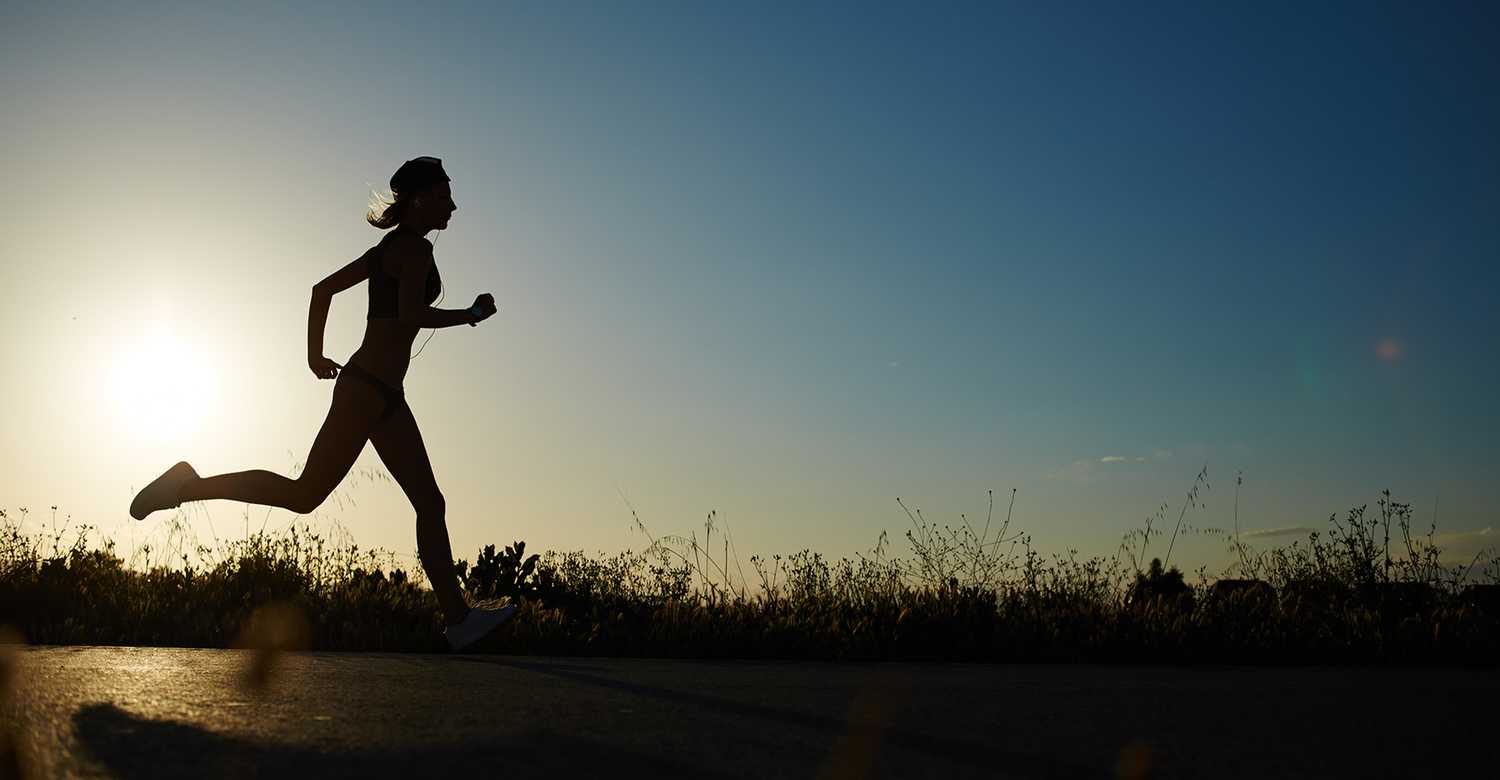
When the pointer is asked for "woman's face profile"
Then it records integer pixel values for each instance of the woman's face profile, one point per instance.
(435, 206)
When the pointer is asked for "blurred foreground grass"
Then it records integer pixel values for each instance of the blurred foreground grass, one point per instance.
(1353, 595)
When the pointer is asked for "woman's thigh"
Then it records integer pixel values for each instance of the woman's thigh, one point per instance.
(398, 441)
(354, 410)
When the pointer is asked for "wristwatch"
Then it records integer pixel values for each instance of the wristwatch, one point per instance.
(478, 314)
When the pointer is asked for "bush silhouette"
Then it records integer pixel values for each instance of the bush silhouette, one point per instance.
(1160, 588)
(507, 574)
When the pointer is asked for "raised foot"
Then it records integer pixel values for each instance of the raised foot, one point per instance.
(163, 491)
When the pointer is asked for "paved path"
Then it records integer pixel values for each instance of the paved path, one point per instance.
(170, 713)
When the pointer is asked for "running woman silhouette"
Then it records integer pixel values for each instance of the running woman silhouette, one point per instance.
(368, 402)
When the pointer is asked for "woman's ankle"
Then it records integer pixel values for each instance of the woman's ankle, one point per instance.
(184, 494)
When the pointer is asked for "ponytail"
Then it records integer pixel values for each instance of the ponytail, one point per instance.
(385, 213)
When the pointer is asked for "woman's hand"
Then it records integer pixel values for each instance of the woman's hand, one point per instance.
(323, 368)
(483, 308)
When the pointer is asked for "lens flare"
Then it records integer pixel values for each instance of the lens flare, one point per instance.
(1390, 350)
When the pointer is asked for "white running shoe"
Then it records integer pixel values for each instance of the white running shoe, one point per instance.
(162, 492)
(479, 621)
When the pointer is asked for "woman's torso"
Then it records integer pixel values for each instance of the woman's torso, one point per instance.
(386, 349)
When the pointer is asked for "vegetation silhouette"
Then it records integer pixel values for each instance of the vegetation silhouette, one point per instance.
(1331, 598)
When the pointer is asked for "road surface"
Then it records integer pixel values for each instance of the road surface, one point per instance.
(178, 713)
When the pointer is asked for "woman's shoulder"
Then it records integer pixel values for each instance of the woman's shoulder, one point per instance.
(404, 241)
(401, 247)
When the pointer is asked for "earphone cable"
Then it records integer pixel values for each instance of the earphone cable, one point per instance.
(442, 293)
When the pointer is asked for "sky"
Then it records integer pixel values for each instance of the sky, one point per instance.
(782, 262)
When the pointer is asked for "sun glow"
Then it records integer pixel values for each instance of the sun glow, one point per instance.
(163, 388)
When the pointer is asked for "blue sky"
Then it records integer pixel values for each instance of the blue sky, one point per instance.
(786, 262)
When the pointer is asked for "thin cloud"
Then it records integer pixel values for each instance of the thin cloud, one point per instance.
(1291, 530)
(1092, 469)
(1077, 472)
(1463, 547)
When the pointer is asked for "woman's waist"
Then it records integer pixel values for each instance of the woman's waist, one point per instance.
(384, 365)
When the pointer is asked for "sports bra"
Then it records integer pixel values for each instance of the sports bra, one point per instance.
(385, 288)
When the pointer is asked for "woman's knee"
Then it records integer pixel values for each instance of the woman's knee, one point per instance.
(307, 496)
(432, 509)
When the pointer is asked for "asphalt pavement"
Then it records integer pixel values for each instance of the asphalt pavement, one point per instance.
(178, 713)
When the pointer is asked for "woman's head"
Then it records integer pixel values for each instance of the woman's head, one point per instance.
(421, 197)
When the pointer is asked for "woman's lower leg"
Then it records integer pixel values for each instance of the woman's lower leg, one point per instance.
(437, 562)
(255, 487)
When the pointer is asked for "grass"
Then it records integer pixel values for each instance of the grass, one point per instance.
(1368, 590)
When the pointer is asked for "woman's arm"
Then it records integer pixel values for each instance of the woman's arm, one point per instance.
(446, 318)
(352, 273)
(416, 261)
(317, 319)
